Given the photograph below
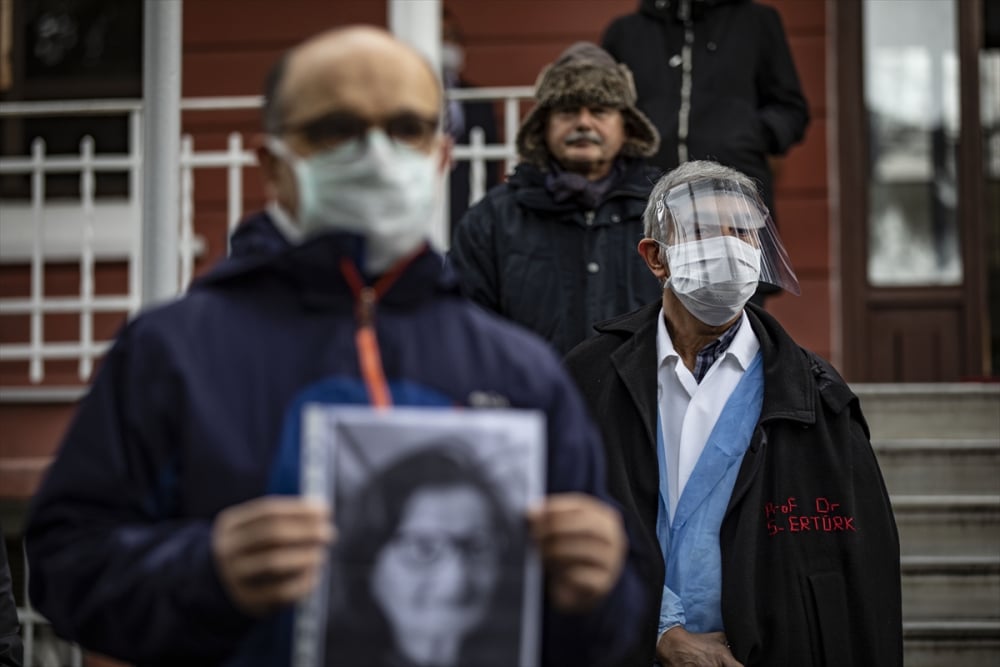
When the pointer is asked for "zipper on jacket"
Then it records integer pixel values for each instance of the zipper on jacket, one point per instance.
(366, 306)
(365, 339)
(369, 357)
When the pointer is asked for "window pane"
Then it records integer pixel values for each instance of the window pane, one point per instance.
(911, 96)
(82, 39)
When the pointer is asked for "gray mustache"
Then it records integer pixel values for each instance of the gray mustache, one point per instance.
(583, 135)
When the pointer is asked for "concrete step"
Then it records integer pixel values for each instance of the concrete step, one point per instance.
(943, 630)
(926, 466)
(936, 645)
(948, 525)
(964, 410)
(951, 587)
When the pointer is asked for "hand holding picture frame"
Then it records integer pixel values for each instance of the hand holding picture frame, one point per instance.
(432, 565)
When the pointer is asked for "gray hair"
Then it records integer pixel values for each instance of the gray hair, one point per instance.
(689, 172)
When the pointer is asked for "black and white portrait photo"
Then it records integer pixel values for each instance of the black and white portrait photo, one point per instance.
(431, 566)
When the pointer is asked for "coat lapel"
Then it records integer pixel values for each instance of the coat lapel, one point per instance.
(635, 363)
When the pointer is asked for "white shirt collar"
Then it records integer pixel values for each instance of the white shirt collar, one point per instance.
(742, 348)
(745, 344)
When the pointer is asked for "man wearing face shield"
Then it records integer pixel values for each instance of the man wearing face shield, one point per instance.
(745, 458)
(546, 248)
(169, 531)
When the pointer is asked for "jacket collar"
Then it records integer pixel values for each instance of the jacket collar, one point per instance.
(257, 235)
(788, 373)
(312, 268)
(635, 360)
(527, 184)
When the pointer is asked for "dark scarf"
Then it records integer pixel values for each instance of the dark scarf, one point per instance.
(566, 185)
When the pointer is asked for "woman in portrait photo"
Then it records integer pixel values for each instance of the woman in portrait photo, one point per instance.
(428, 568)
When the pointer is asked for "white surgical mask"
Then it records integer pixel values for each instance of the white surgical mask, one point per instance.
(713, 278)
(452, 58)
(380, 189)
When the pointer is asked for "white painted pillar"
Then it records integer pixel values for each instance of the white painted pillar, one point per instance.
(161, 93)
(418, 23)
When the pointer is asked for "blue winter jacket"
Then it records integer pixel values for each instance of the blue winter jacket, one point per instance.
(185, 416)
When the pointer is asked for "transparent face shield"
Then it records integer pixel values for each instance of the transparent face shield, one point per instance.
(709, 216)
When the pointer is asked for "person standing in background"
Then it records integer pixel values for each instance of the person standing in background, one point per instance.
(717, 79)
(460, 119)
(550, 249)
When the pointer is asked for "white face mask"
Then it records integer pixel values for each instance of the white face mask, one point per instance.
(713, 278)
(452, 58)
(374, 187)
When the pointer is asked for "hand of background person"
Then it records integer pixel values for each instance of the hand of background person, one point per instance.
(679, 648)
(269, 550)
(582, 542)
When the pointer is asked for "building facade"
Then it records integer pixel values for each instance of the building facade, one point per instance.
(890, 207)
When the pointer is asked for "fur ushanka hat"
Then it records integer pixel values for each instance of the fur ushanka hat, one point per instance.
(585, 75)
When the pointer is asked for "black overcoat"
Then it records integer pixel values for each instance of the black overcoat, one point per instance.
(556, 267)
(810, 550)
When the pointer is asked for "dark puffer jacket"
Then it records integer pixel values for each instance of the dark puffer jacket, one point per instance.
(745, 101)
(556, 268)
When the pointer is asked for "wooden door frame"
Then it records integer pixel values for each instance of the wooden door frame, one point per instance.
(972, 188)
(857, 299)
(852, 172)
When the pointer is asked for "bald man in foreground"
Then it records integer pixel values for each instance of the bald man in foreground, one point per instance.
(168, 532)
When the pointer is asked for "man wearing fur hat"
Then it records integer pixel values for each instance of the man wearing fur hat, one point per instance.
(550, 248)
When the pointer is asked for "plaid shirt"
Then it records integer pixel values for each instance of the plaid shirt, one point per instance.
(708, 354)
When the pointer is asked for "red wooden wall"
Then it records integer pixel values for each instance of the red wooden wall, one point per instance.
(802, 189)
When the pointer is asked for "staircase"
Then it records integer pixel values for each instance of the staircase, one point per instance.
(939, 449)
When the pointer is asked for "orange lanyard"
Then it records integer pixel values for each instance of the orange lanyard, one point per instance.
(369, 358)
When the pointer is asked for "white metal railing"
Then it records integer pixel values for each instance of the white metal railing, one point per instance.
(41, 230)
